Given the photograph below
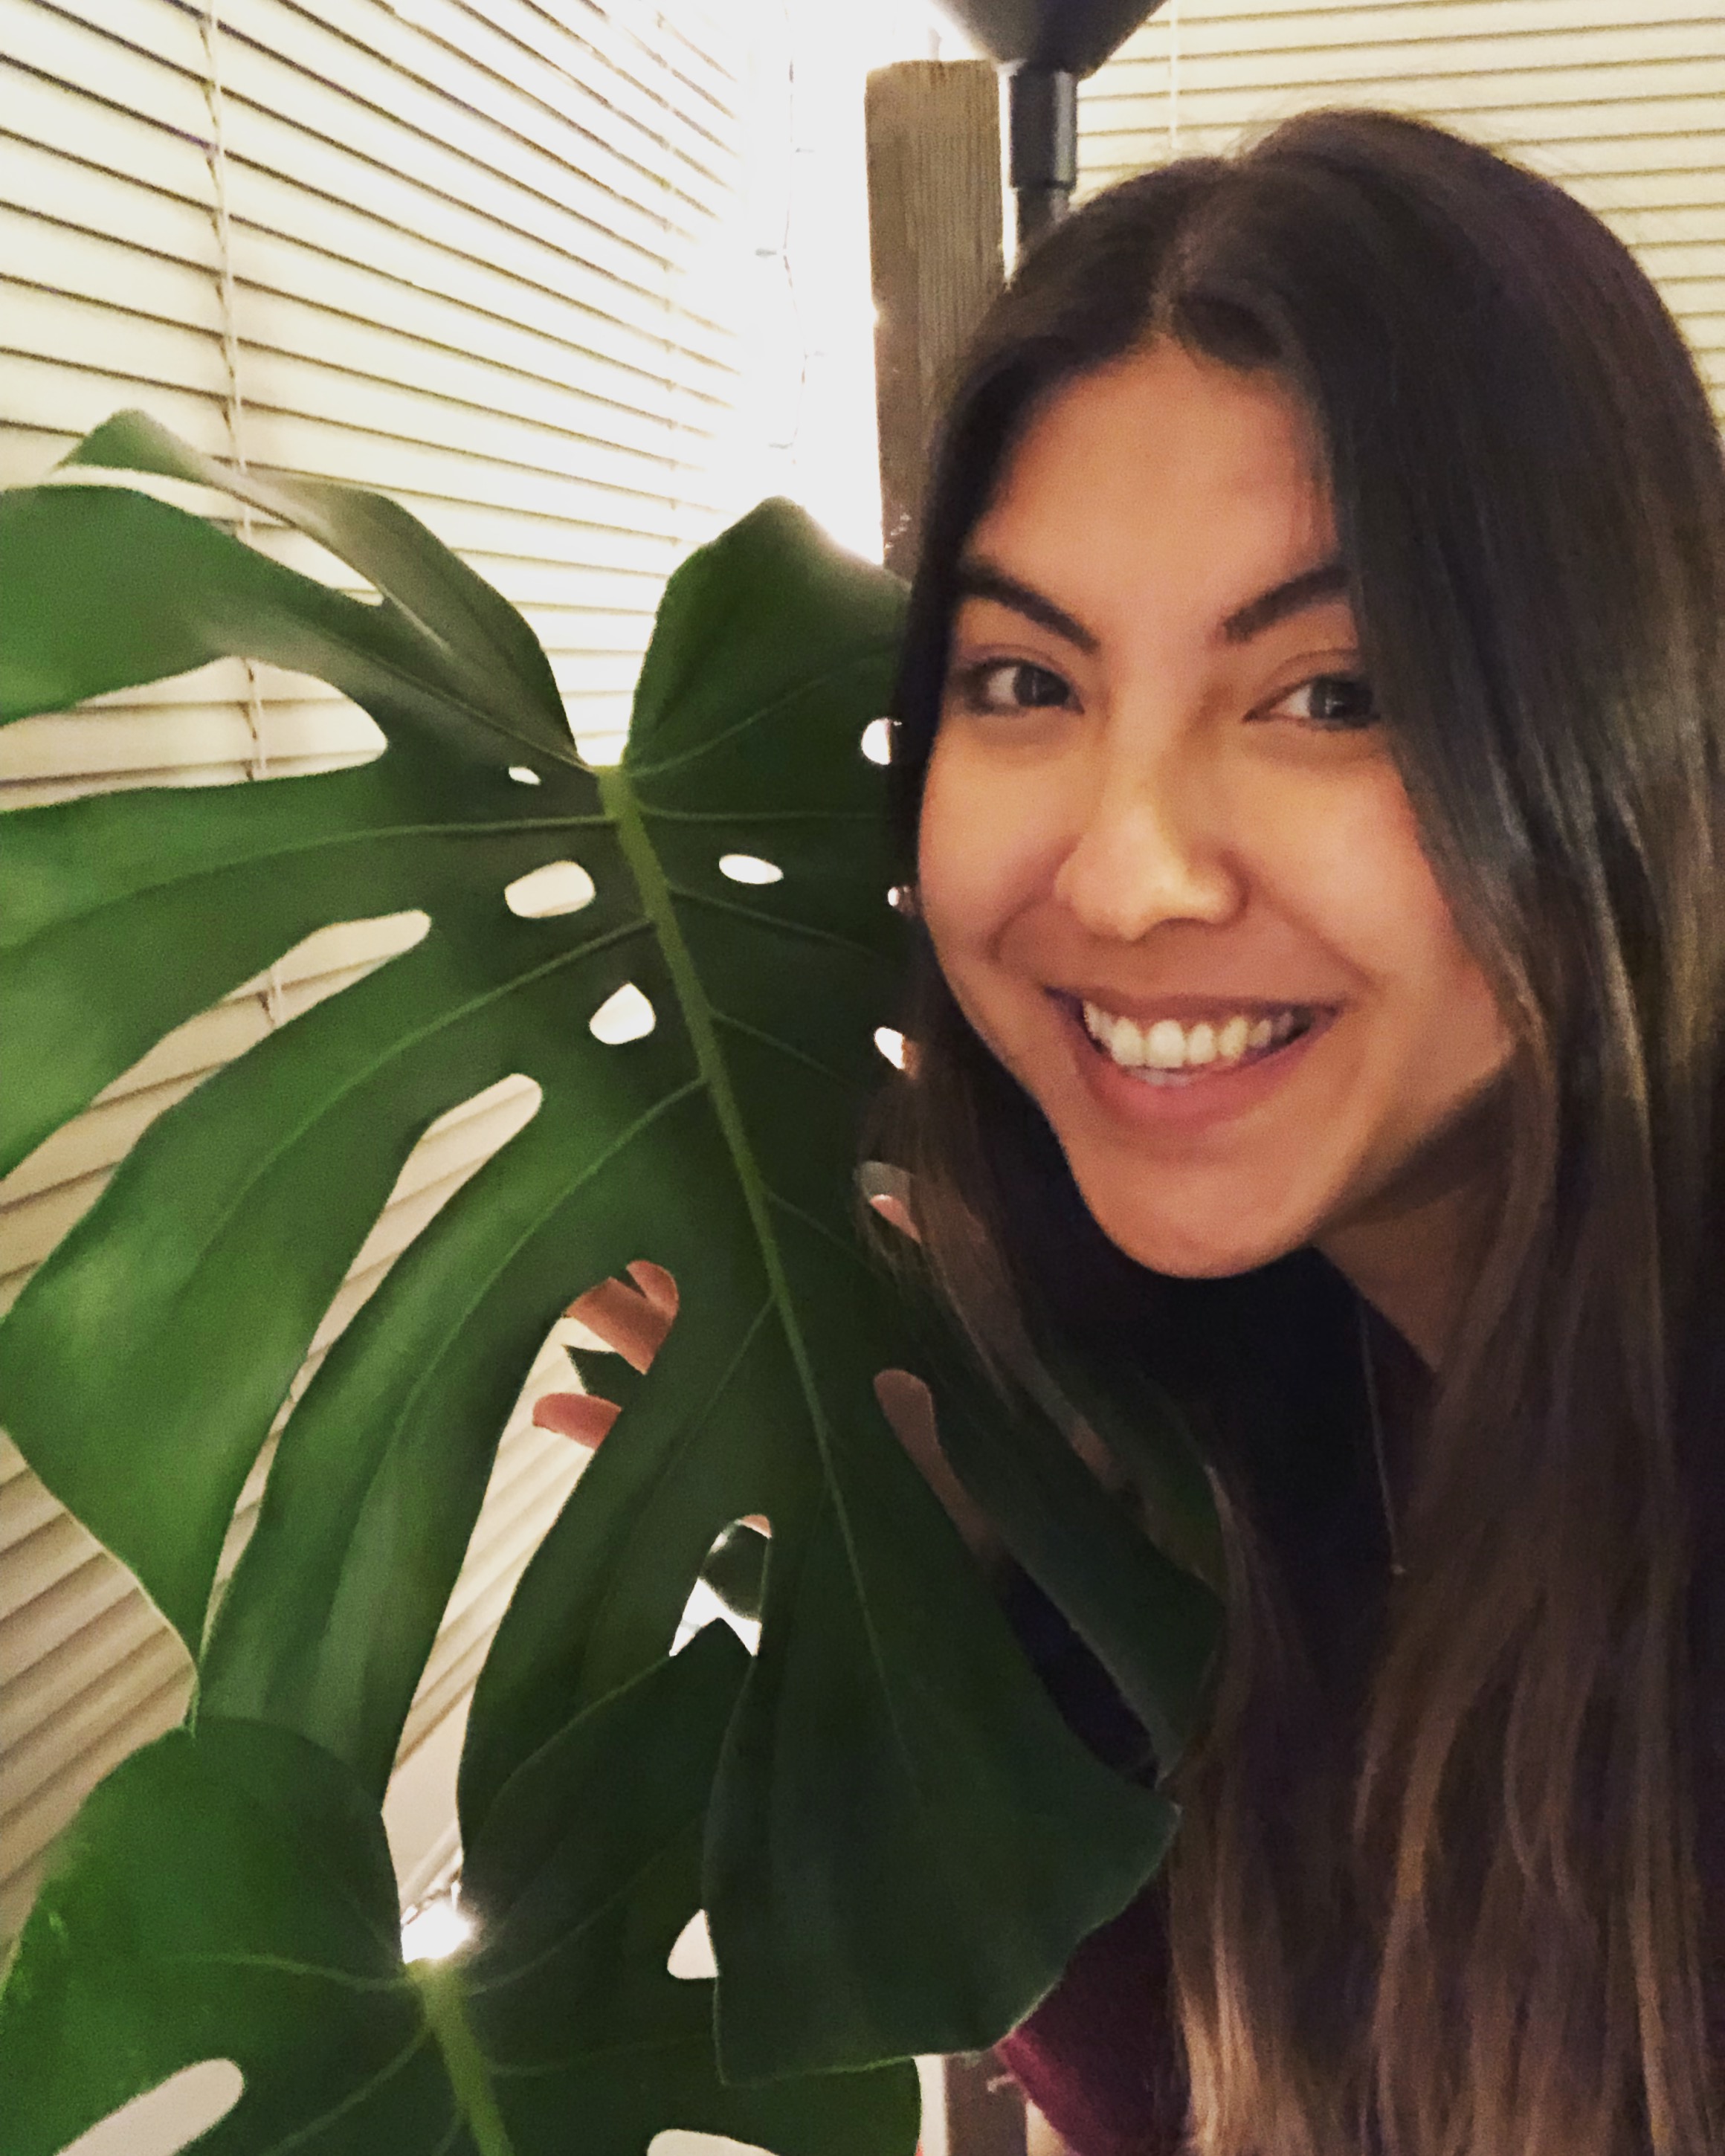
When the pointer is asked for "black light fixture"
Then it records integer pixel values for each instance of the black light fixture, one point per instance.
(1042, 46)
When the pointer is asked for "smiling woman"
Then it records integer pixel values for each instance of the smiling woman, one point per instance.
(1310, 740)
(1168, 861)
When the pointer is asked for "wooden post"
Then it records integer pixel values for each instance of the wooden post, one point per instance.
(936, 248)
(985, 2112)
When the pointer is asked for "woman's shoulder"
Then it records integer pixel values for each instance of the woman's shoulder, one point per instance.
(1100, 2057)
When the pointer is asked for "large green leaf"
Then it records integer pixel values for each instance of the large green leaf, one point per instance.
(229, 1895)
(469, 636)
(904, 1842)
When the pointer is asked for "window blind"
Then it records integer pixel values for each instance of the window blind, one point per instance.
(1624, 105)
(476, 253)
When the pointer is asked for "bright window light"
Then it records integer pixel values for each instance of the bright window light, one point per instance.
(433, 1933)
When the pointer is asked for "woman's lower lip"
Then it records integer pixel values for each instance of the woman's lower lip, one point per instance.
(1206, 1095)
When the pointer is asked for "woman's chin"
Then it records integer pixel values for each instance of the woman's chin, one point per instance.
(1188, 1251)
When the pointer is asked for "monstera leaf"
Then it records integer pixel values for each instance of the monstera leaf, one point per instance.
(902, 1841)
(228, 1895)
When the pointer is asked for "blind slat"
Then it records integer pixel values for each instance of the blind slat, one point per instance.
(626, 136)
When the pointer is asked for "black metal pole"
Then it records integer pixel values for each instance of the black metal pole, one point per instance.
(1042, 154)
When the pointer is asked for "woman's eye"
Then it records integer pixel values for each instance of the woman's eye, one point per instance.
(1013, 684)
(1337, 701)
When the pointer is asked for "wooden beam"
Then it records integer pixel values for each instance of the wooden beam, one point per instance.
(936, 249)
(986, 2113)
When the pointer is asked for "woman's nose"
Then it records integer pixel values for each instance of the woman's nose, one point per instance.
(1148, 850)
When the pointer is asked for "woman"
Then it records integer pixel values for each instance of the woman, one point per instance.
(1311, 733)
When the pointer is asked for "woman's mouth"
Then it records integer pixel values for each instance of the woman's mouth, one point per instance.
(1168, 1051)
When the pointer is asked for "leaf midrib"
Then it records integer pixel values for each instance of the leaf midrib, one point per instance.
(617, 792)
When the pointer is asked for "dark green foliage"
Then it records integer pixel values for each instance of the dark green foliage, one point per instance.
(897, 1841)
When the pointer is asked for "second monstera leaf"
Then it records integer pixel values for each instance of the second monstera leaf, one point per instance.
(904, 1841)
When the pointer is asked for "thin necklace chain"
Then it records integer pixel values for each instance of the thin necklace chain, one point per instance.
(1369, 1364)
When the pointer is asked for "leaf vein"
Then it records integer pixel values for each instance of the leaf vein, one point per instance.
(758, 918)
(818, 1227)
(730, 817)
(812, 686)
(398, 1048)
(782, 1047)
(354, 2097)
(452, 1334)
(285, 1965)
(372, 835)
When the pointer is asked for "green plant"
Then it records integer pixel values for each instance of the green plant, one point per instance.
(897, 1840)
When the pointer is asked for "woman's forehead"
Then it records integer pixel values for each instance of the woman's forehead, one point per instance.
(1161, 478)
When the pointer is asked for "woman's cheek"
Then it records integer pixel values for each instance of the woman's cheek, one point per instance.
(963, 853)
(1343, 858)
(998, 818)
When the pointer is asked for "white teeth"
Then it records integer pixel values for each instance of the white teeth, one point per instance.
(1169, 1046)
(1165, 1044)
(1126, 1043)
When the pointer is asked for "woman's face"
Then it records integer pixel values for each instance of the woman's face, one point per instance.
(1168, 865)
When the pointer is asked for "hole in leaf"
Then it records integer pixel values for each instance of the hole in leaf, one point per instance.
(460, 1144)
(704, 1608)
(877, 740)
(748, 867)
(333, 958)
(524, 774)
(625, 1016)
(448, 1152)
(627, 1316)
(730, 1584)
(902, 899)
(891, 1045)
(558, 887)
(691, 1960)
(687, 2141)
(170, 2117)
(736, 1569)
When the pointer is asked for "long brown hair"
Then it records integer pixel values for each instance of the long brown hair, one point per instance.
(1473, 1924)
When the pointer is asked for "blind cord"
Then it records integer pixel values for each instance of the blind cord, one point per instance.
(1173, 78)
(233, 405)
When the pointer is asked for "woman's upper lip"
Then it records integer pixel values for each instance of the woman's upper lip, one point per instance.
(1188, 1009)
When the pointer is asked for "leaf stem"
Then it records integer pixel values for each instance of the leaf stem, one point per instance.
(440, 1984)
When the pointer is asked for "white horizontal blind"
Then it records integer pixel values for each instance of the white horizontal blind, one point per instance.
(477, 254)
(1621, 101)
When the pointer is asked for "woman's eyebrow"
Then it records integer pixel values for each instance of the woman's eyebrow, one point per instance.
(979, 579)
(975, 578)
(1280, 600)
